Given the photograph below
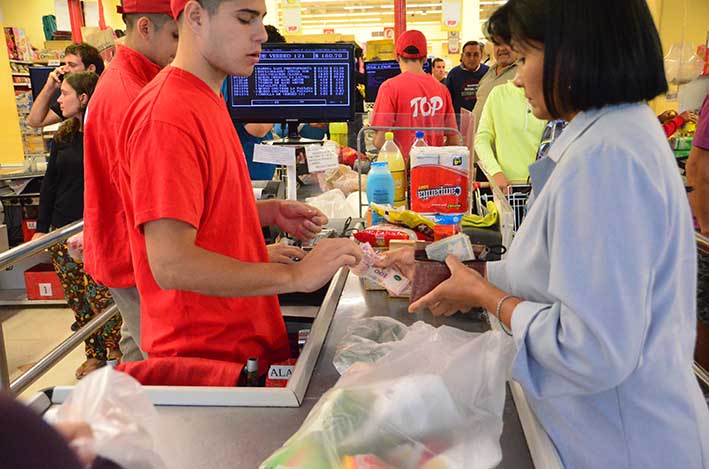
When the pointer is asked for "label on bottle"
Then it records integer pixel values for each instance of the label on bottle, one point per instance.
(399, 188)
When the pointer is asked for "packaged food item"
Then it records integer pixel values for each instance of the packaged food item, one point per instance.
(439, 180)
(408, 218)
(444, 231)
(379, 236)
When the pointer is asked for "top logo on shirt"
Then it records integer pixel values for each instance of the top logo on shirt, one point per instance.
(424, 107)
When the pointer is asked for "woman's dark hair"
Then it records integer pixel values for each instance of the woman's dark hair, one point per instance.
(82, 83)
(596, 53)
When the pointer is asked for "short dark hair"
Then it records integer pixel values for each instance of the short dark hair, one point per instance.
(274, 35)
(89, 55)
(158, 19)
(474, 43)
(595, 53)
(436, 60)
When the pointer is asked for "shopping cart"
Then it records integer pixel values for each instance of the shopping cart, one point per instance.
(517, 196)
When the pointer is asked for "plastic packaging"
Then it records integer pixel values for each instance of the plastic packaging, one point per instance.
(419, 141)
(397, 166)
(434, 400)
(379, 236)
(439, 180)
(121, 417)
(368, 340)
(380, 187)
(412, 220)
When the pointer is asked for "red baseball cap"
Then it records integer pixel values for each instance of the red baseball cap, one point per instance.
(177, 7)
(411, 38)
(144, 6)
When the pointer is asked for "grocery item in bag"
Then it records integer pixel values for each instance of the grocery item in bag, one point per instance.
(379, 236)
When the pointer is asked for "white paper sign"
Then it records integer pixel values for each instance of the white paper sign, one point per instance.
(320, 159)
(274, 154)
(451, 15)
(45, 289)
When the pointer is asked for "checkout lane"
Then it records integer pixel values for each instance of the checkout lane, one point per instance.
(247, 436)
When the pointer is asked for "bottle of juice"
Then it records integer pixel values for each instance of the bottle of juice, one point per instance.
(380, 187)
(391, 154)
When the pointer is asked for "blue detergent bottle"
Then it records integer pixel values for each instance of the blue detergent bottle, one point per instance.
(380, 188)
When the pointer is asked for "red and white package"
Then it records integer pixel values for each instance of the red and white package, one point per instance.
(379, 236)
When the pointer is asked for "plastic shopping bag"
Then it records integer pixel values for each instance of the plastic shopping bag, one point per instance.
(76, 246)
(120, 415)
(435, 400)
(367, 341)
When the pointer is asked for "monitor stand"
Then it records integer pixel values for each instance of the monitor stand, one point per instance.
(294, 138)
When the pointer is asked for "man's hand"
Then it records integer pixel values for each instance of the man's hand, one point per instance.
(689, 116)
(402, 259)
(463, 290)
(501, 181)
(299, 220)
(54, 81)
(284, 254)
(77, 434)
(318, 267)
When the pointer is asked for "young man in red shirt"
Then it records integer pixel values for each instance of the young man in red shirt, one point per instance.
(413, 99)
(150, 44)
(207, 290)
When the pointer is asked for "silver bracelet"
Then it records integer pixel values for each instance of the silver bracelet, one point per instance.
(499, 310)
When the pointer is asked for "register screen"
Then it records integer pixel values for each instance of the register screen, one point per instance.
(377, 72)
(303, 82)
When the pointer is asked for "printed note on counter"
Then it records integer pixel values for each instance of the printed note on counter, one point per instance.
(320, 158)
(274, 154)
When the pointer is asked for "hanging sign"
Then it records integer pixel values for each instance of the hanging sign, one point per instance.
(291, 17)
(453, 42)
(451, 15)
(388, 33)
(328, 31)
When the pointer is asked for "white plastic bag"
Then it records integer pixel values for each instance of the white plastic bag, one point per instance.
(435, 400)
(368, 340)
(76, 246)
(120, 415)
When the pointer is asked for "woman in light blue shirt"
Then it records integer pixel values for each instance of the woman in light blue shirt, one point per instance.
(598, 288)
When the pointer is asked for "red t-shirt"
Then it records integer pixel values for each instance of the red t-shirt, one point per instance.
(182, 160)
(106, 248)
(414, 100)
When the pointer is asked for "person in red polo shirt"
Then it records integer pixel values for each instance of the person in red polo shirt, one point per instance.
(413, 99)
(207, 289)
(150, 44)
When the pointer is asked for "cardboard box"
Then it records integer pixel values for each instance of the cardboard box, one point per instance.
(29, 227)
(42, 283)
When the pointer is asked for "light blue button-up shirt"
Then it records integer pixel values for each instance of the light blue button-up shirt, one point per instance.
(606, 261)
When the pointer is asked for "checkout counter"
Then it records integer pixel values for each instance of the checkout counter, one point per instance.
(195, 430)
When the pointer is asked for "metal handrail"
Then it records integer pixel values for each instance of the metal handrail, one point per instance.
(29, 249)
(62, 350)
(702, 242)
(14, 256)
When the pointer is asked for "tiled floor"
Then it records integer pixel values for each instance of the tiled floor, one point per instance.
(30, 334)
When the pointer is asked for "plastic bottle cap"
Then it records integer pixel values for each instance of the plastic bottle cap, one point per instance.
(389, 135)
(380, 164)
(419, 134)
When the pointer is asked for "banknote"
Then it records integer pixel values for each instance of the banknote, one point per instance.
(458, 245)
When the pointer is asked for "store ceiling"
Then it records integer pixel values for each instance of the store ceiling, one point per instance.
(361, 13)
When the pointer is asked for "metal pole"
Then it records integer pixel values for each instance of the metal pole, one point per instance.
(53, 357)
(4, 373)
(29, 249)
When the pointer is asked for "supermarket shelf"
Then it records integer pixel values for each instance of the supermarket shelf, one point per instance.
(20, 74)
(19, 298)
(26, 62)
(21, 85)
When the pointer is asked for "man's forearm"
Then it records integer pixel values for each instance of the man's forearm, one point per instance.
(267, 210)
(208, 273)
(40, 108)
